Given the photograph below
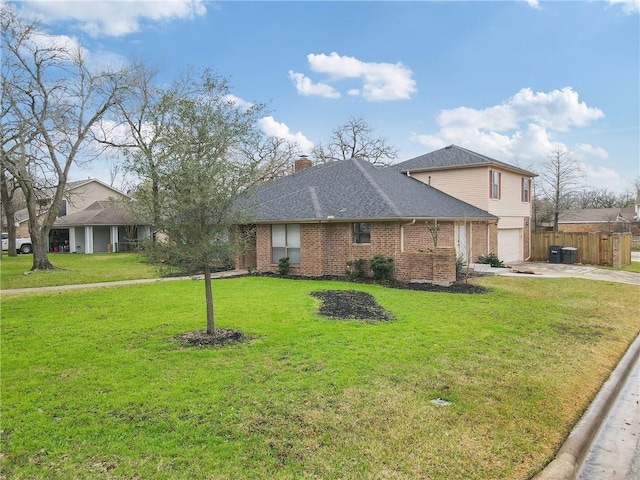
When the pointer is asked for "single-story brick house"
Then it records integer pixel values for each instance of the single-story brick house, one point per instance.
(606, 220)
(323, 216)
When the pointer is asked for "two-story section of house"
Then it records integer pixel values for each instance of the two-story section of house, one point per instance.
(499, 188)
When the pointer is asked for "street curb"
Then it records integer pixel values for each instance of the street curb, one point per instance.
(577, 443)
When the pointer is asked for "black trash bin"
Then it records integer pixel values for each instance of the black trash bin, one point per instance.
(569, 255)
(555, 254)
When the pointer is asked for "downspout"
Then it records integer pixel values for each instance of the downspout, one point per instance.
(412, 222)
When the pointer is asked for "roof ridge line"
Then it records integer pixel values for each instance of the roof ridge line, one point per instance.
(377, 188)
(315, 201)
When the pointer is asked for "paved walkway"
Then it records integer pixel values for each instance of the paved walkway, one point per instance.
(232, 273)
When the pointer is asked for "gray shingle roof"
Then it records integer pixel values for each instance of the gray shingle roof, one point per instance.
(354, 190)
(102, 212)
(597, 215)
(454, 156)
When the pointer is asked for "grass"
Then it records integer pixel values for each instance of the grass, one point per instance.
(99, 389)
(632, 267)
(74, 269)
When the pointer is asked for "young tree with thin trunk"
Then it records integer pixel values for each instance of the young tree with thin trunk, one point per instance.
(559, 180)
(206, 167)
(355, 139)
(51, 99)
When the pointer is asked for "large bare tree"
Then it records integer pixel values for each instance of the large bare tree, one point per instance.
(559, 180)
(355, 138)
(51, 99)
(8, 190)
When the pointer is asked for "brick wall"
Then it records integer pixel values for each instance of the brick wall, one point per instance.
(493, 238)
(444, 265)
(327, 247)
(579, 228)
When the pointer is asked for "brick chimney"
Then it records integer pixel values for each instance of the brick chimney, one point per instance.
(302, 163)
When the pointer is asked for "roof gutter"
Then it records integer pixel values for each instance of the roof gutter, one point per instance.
(333, 219)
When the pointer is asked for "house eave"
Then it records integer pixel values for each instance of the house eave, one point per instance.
(501, 166)
(330, 219)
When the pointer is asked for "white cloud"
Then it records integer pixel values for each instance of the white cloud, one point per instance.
(380, 81)
(238, 102)
(535, 4)
(584, 150)
(277, 129)
(115, 18)
(519, 130)
(65, 44)
(599, 175)
(305, 86)
(628, 6)
(556, 110)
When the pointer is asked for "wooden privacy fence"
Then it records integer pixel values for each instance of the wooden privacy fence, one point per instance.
(613, 250)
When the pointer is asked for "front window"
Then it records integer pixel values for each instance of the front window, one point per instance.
(361, 233)
(494, 184)
(63, 209)
(526, 190)
(285, 242)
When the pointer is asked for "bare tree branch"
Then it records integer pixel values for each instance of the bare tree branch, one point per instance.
(355, 139)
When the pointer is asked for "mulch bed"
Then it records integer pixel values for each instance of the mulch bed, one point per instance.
(458, 287)
(349, 304)
(219, 337)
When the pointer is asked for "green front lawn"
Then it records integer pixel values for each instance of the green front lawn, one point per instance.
(93, 386)
(74, 269)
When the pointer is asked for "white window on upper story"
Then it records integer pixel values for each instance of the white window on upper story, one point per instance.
(285, 242)
(494, 184)
(526, 189)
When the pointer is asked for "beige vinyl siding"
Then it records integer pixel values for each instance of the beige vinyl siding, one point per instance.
(510, 202)
(470, 185)
(81, 197)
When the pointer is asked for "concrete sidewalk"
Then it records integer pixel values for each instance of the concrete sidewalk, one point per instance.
(230, 273)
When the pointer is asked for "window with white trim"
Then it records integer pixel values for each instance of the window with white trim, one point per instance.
(494, 184)
(285, 242)
(361, 233)
(526, 190)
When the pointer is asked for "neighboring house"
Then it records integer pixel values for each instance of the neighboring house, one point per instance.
(324, 216)
(88, 220)
(605, 220)
(497, 187)
(104, 226)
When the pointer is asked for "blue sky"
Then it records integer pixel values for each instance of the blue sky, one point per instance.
(508, 79)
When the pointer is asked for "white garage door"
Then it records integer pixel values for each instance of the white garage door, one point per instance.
(510, 244)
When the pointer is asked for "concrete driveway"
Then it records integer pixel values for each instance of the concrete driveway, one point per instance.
(559, 270)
